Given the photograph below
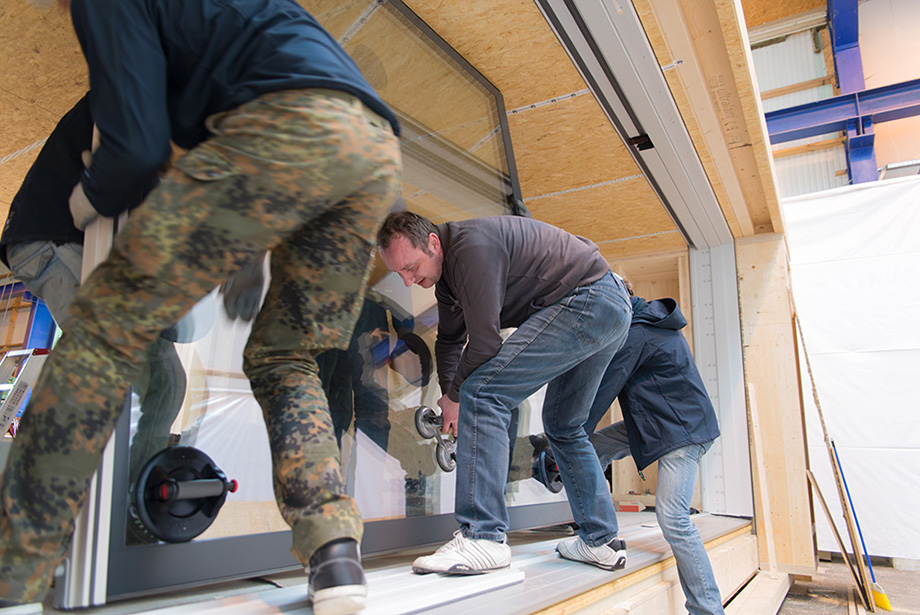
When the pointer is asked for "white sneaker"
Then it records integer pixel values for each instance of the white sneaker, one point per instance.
(465, 556)
(611, 556)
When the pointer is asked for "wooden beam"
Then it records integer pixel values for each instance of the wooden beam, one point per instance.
(764, 595)
(809, 147)
(702, 47)
(774, 406)
(797, 87)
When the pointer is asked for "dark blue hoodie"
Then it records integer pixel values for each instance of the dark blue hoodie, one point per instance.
(665, 404)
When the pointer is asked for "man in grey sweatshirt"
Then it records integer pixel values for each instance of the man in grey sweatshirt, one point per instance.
(571, 315)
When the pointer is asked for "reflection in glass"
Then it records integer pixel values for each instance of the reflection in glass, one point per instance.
(455, 167)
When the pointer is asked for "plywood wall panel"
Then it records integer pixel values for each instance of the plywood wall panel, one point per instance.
(567, 144)
(509, 42)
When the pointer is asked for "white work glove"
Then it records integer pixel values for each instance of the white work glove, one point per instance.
(81, 209)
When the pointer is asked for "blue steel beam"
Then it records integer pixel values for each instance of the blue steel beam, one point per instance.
(843, 18)
(854, 113)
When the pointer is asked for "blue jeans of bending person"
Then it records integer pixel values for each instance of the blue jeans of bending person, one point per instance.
(677, 474)
(567, 346)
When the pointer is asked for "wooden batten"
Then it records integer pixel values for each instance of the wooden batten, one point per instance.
(783, 513)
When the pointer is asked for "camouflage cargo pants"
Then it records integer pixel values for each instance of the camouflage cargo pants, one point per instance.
(308, 174)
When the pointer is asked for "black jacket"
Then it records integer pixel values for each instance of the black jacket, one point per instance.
(40, 210)
(665, 404)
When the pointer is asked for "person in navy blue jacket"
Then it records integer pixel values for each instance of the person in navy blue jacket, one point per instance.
(289, 150)
(667, 417)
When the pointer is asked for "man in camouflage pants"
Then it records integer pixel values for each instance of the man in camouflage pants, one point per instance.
(273, 163)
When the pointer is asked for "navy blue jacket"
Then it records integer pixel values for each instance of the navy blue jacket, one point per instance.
(665, 404)
(159, 68)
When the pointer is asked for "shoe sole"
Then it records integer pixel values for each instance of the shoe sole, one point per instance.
(619, 564)
(340, 600)
(456, 570)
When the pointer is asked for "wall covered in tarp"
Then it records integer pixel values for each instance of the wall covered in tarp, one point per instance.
(855, 264)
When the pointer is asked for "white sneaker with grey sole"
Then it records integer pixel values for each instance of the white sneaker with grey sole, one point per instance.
(611, 556)
(465, 556)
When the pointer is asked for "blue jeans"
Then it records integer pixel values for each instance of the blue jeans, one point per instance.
(677, 472)
(567, 346)
(50, 272)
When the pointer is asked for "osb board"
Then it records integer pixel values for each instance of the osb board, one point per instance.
(40, 58)
(509, 42)
(759, 12)
(605, 212)
(774, 403)
(567, 144)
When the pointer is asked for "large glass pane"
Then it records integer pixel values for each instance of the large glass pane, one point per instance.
(455, 167)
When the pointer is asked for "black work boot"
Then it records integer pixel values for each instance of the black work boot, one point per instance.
(337, 583)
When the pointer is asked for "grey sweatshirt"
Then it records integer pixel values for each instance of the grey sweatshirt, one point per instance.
(497, 272)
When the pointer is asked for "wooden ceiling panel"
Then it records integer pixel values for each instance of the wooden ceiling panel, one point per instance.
(568, 144)
(40, 57)
(643, 246)
(609, 212)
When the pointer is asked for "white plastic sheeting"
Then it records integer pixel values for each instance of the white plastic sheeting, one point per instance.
(855, 258)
